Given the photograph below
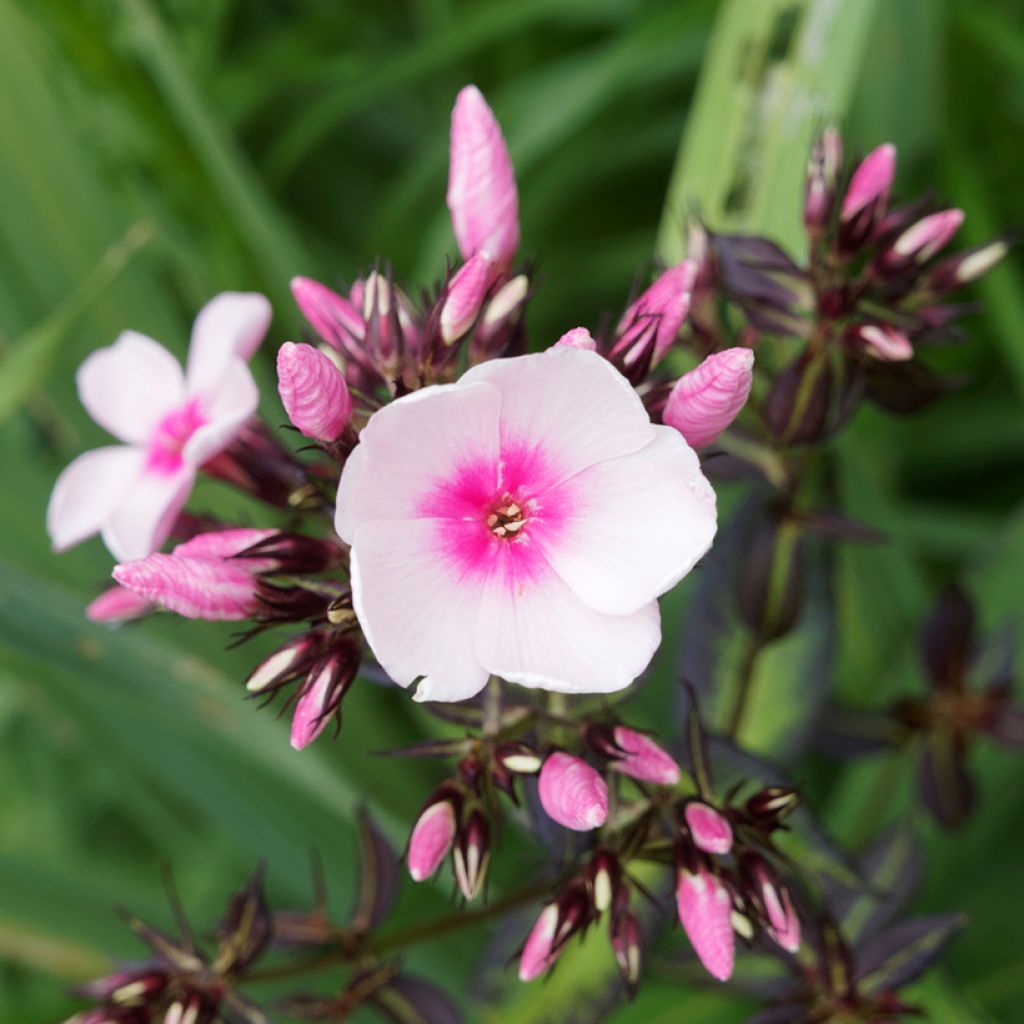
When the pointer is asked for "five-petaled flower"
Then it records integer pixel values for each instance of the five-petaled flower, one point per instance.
(170, 423)
(522, 522)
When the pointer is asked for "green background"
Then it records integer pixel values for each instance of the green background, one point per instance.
(154, 154)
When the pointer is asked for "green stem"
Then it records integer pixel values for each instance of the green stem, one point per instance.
(744, 686)
(492, 707)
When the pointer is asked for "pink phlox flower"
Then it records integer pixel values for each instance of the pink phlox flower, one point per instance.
(170, 423)
(522, 523)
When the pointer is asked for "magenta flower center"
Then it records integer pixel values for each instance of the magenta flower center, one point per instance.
(170, 437)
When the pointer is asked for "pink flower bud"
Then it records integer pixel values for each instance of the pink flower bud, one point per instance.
(649, 327)
(705, 912)
(625, 936)
(883, 342)
(220, 544)
(466, 293)
(331, 315)
(822, 172)
(196, 588)
(285, 665)
(871, 182)
(643, 759)
(537, 953)
(578, 337)
(783, 922)
(117, 605)
(313, 391)
(572, 793)
(431, 839)
(706, 400)
(921, 241)
(967, 266)
(320, 699)
(482, 193)
(710, 831)
(472, 854)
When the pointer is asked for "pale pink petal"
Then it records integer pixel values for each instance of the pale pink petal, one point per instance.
(564, 409)
(705, 912)
(573, 793)
(711, 832)
(431, 839)
(578, 337)
(706, 400)
(536, 956)
(230, 326)
(633, 526)
(644, 759)
(88, 491)
(533, 630)
(416, 615)
(145, 515)
(193, 587)
(220, 544)
(225, 412)
(921, 241)
(466, 293)
(130, 386)
(482, 193)
(313, 392)
(419, 452)
(117, 604)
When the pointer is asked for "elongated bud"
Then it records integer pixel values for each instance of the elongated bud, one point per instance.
(822, 174)
(921, 241)
(706, 400)
(773, 803)
(313, 392)
(506, 303)
(710, 830)
(117, 604)
(286, 664)
(191, 1009)
(634, 754)
(578, 337)
(472, 853)
(292, 553)
(605, 876)
(432, 837)
(705, 912)
(625, 936)
(466, 293)
(967, 266)
(132, 987)
(649, 327)
(196, 588)
(572, 793)
(881, 341)
(320, 699)
(773, 901)
(217, 545)
(871, 182)
(482, 194)
(518, 758)
(537, 955)
(332, 316)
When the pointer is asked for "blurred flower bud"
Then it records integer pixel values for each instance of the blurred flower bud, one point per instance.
(605, 875)
(881, 341)
(472, 853)
(245, 931)
(433, 834)
(117, 604)
(967, 266)
(194, 1008)
(634, 754)
(822, 174)
(921, 241)
(705, 912)
(136, 986)
(772, 900)
(537, 955)
(217, 545)
(313, 392)
(710, 830)
(505, 307)
(649, 327)
(286, 664)
(871, 182)
(773, 803)
(572, 793)
(327, 683)
(578, 337)
(706, 400)
(332, 316)
(482, 193)
(625, 936)
(518, 758)
(466, 293)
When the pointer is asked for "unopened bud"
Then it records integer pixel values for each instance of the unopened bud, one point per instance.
(327, 683)
(578, 337)
(518, 758)
(466, 293)
(332, 316)
(634, 754)
(881, 341)
(710, 830)
(625, 936)
(605, 875)
(573, 793)
(285, 665)
(191, 1009)
(537, 954)
(472, 853)
(705, 912)
(313, 392)
(117, 604)
(921, 241)
(432, 837)
(871, 182)
(773, 901)
(967, 266)
(133, 987)
(706, 400)
(822, 174)
(773, 803)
